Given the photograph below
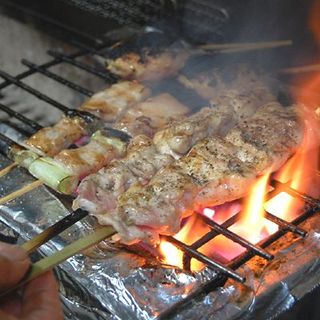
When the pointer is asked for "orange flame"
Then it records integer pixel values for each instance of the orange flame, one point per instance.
(189, 233)
(299, 171)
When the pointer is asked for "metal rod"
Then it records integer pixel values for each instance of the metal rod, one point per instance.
(285, 225)
(49, 64)
(34, 125)
(238, 239)
(237, 262)
(33, 91)
(201, 257)
(57, 78)
(100, 73)
(287, 188)
(207, 237)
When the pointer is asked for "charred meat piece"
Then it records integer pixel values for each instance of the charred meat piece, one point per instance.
(150, 66)
(111, 103)
(51, 140)
(216, 170)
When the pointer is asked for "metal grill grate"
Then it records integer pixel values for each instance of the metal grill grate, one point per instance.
(190, 251)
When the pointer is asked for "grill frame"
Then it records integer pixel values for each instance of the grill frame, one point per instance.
(224, 271)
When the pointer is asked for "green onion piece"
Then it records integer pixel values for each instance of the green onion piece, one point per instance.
(25, 158)
(48, 171)
(119, 145)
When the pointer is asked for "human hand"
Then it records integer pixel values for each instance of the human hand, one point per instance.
(39, 299)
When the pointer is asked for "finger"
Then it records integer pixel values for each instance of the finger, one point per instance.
(11, 304)
(41, 299)
(5, 316)
(14, 263)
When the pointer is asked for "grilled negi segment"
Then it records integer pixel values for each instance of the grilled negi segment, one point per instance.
(108, 104)
(216, 170)
(149, 66)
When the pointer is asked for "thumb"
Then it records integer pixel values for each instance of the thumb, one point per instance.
(14, 263)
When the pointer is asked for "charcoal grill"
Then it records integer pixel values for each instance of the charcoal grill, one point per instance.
(224, 271)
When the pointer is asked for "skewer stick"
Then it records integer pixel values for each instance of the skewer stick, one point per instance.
(7, 169)
(301, 69)
(50, 262)
(54, 230)
(236, 47)
(18, 193)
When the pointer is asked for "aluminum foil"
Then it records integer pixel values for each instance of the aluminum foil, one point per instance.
(103, 284)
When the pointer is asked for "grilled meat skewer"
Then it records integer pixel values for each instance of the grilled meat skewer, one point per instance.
(98, 192)
(109, 104)
(216, 170)
(64, 170)
(149, 67)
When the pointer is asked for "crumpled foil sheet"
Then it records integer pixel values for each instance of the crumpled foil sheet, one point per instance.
(116, 284)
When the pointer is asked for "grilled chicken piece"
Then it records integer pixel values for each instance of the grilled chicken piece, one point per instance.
(111, 103)
(216, 170)
(49, 141)
(151, 67)
(243, 86)
(98, 192)
(152, 114)
(89, 158)
(178, 137)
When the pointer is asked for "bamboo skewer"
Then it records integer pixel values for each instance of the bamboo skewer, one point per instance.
(237, 47)
(50, 262)
(18, 193)
(54, 230)
(7, 169)
(300, 69)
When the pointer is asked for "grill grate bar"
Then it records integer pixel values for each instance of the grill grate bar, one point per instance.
(204, 259)
(237, 262)
(57, 78)
(98, 72)
(33, 91)
(45, 66)
(285, 225)
(294, 193)
(34, 125)
(236, 238)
